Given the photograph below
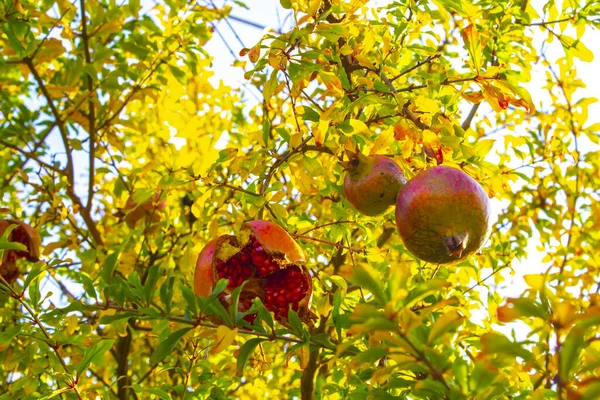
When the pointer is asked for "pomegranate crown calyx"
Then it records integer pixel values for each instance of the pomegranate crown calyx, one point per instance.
(456, 244)
(357, 165)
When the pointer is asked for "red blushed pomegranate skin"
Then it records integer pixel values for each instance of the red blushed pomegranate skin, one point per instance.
(276, 239)
(204, 274)
(374, 189)
(439, 206)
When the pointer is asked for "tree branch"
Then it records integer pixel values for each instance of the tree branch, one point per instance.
(467, 122)
(91, 109)
(31, 156)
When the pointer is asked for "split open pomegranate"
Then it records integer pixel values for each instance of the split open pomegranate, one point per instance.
(264, 255)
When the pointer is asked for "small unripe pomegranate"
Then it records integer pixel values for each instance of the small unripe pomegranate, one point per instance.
(443, 215)
(266, 256)
(372, 182)
(27, 236)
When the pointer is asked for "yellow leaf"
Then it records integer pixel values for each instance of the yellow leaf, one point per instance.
(426, 105)
(72, 322)
(583, 52)
(254, 53)
(432, 146)
(491, 71)
(473, 97)
(377, 255)
(364, 61)
(535, 281)
(320, 131)
(332, 82)
(448, 321)
(368, 41)
(407, 148)
(213, 228)
(470, 36)
(49, 50)
(384, 139)
(225, 337)
(564, 313)
(50, 247)
(108, 28)
(346, 50)
(496, 99)
(359, 127)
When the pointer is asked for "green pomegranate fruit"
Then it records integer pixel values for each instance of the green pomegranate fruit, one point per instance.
(443, 215)
(372, 182)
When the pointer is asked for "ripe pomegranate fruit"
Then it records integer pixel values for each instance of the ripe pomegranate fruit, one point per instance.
(266, 256)
(149, 211)
(443, 215)
(372, 182)
(24, 234)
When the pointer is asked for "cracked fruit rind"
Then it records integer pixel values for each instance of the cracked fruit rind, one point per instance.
(27, 236)
(264, 255)
(443, 215)
(372, 183)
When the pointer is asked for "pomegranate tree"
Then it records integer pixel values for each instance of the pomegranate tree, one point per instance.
(27, 236)
(443, 215)
(264, 255)
(372, 182)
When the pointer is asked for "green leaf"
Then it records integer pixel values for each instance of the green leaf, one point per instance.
(151, 281)
(279, 211)
(166, 347)
(245, 353)
(496, 343)
(8, 335)
(295, 322)
(445, 323)
(266, 129)
(425, 289)
(287, 4)
(100, 347)
(34, 292)
(190, 298)
(368, 278)
(38, 270)
(109, 265)
(108, 319)
(166, 293)
(310, 114)
(161, 394)
(569, 351)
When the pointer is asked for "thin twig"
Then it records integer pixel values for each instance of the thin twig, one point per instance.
(334, 244)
